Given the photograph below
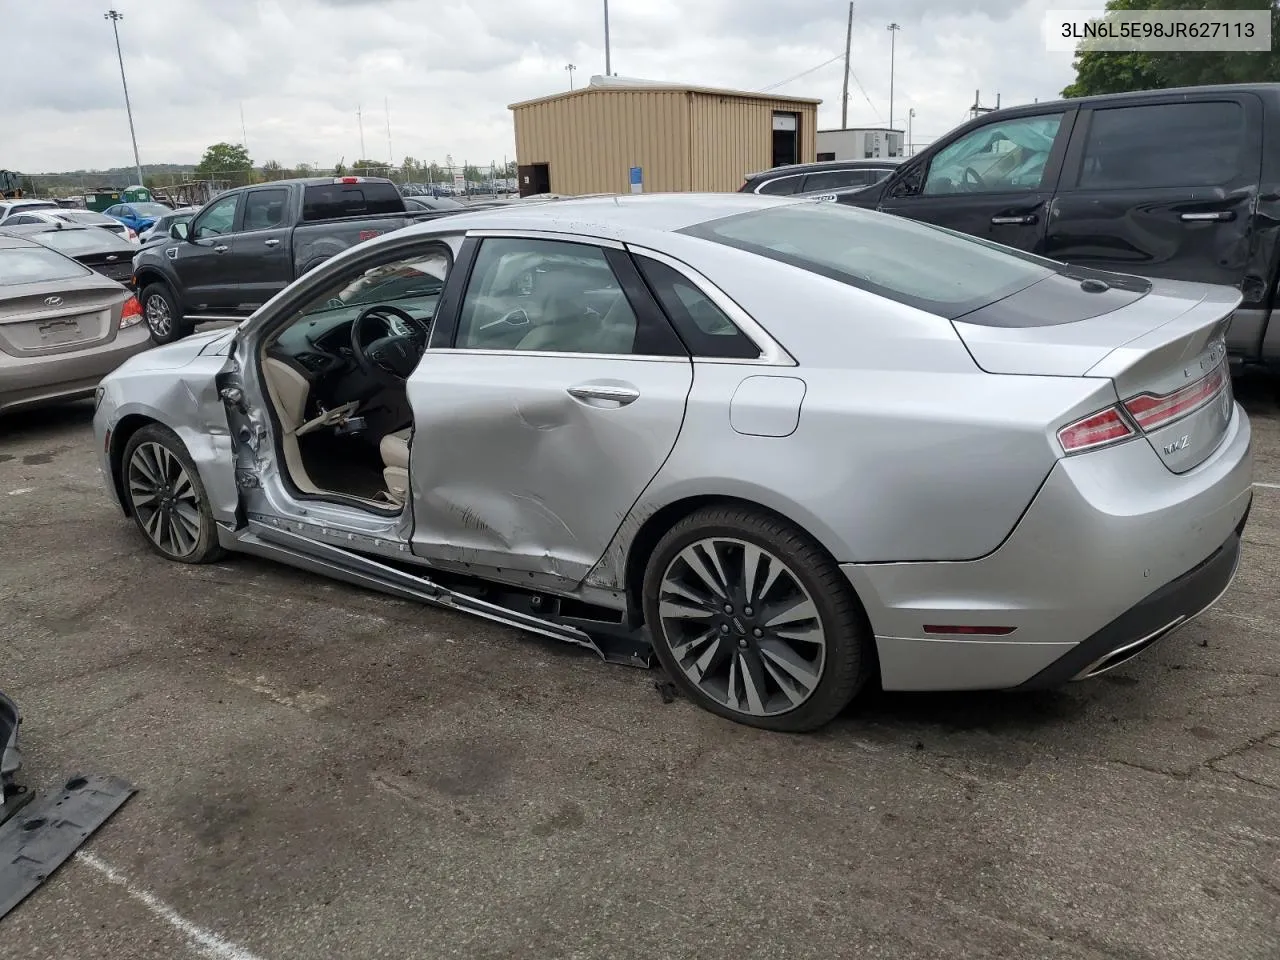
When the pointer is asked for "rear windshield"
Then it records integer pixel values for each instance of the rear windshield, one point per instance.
(329, 201)
(34, 265)
(75, 242)
(936, 270)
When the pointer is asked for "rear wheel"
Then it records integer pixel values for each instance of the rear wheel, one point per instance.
(168, 502)
(164, 319)
(753, 620)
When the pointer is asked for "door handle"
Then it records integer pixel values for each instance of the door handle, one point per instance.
(1000, 221)
(220, 248)
(272, 243)
(1209, 215)
(600, 391)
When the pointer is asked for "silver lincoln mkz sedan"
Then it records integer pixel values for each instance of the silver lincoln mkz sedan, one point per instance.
(785, 446)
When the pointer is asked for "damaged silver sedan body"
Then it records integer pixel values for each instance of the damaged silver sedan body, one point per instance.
(705, 427)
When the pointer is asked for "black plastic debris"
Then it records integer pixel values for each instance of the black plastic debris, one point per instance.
(38, 835)
(13, 796)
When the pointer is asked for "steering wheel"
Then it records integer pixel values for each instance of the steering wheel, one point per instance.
(971, 176)
(390, 357)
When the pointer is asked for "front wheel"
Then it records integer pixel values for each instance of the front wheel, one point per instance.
(164, 319)
(168, 502)
(753, 620)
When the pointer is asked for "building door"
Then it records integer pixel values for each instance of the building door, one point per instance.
(535, 178)
(786, 138)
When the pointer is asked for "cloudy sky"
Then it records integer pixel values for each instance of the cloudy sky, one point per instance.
(448, 68)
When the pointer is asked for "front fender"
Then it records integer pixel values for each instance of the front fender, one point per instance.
(186, 401)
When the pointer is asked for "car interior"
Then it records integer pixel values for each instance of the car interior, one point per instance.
(336, 376)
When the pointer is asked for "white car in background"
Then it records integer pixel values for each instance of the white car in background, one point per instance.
(79, 218)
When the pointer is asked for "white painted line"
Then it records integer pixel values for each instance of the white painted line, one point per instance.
(1268, 486)
(208, 943)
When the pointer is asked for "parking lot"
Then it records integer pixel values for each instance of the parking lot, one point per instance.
(325, 772)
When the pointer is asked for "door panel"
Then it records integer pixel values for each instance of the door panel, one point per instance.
(201, 262)
(994, 181)
(261, 259)
(530, 462)
(1167, 190)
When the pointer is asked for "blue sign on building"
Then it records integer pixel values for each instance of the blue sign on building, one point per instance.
(637, 180)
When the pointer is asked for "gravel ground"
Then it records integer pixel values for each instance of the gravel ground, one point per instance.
(325, 772)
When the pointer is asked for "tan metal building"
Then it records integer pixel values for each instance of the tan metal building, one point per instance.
(680, 137)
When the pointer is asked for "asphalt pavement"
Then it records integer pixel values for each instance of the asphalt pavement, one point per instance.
(324, 772)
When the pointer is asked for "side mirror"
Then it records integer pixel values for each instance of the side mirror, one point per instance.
(180, 231)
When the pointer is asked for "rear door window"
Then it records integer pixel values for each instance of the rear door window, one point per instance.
(835, 179)
(1164, 145)
(36, 265)
(331, 201)
(703, 326)
(264, 209)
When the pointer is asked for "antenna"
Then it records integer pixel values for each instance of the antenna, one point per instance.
(360, 120)
(391, 157)
(244, 134)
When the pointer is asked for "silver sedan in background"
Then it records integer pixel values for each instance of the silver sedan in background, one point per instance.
(785, 447)
(62, 326)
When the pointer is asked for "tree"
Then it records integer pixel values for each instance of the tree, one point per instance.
(371, 168)
(271, 170)
(226, 161)
(1102, 71)
(305, 170)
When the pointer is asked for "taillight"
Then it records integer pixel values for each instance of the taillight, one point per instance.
(1096, 430)
(131, 315)
(348, 180)
(1151, 410)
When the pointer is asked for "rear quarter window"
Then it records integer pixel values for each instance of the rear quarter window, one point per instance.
(36, 265)
(331, 201)
(941, 272)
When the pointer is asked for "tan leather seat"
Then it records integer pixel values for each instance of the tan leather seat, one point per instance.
(394, 449)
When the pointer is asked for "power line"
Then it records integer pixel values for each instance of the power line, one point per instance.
(783, 83)
(864, 95)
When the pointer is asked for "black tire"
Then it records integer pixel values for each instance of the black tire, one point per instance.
(162, 314)
(849, 657)
(195, 523)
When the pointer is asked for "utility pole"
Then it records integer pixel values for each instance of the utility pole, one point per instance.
(115, 18)
(570, 67)
(360, 120)
(608, 63)
(244, 133)
(391, 157)
(844, 98)
(911, 115)
(893, 29)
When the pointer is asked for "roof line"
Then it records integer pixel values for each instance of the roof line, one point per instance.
(662, 88)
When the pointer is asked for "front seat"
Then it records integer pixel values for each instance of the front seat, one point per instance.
(394, 448)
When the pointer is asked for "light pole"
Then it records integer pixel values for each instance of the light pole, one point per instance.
(608, 67)
(570, 67)
(893, 29)
(911, 115)
(115, 18)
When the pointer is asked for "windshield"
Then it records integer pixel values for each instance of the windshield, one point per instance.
(34, 265)
(936, 270)
(151, 209)
(75, 242)
(409, 280)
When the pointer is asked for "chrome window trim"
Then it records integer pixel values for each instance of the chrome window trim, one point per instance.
(561, 236)
(772, 353)
(477, 351)
(759, 187)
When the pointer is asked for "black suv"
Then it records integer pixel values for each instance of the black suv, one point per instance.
(824, 175)
(1182, 184)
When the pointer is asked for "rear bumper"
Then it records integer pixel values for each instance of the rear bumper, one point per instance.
(67, 376)
(1112, 543)
(1154, 618)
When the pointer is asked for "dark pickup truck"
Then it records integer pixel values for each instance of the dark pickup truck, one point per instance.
(246, 245)
(1180, 184)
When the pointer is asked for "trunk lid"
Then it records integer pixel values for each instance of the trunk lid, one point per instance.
(40, 319)
(115, 264)
(1162, 343)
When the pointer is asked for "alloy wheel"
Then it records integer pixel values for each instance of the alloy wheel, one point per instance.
(159, 318)
(164, 499)
(742, 626)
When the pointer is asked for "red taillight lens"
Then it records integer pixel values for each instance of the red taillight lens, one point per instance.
(1150, 410)
(348, 180)
(1096, 430)
(131, 315)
